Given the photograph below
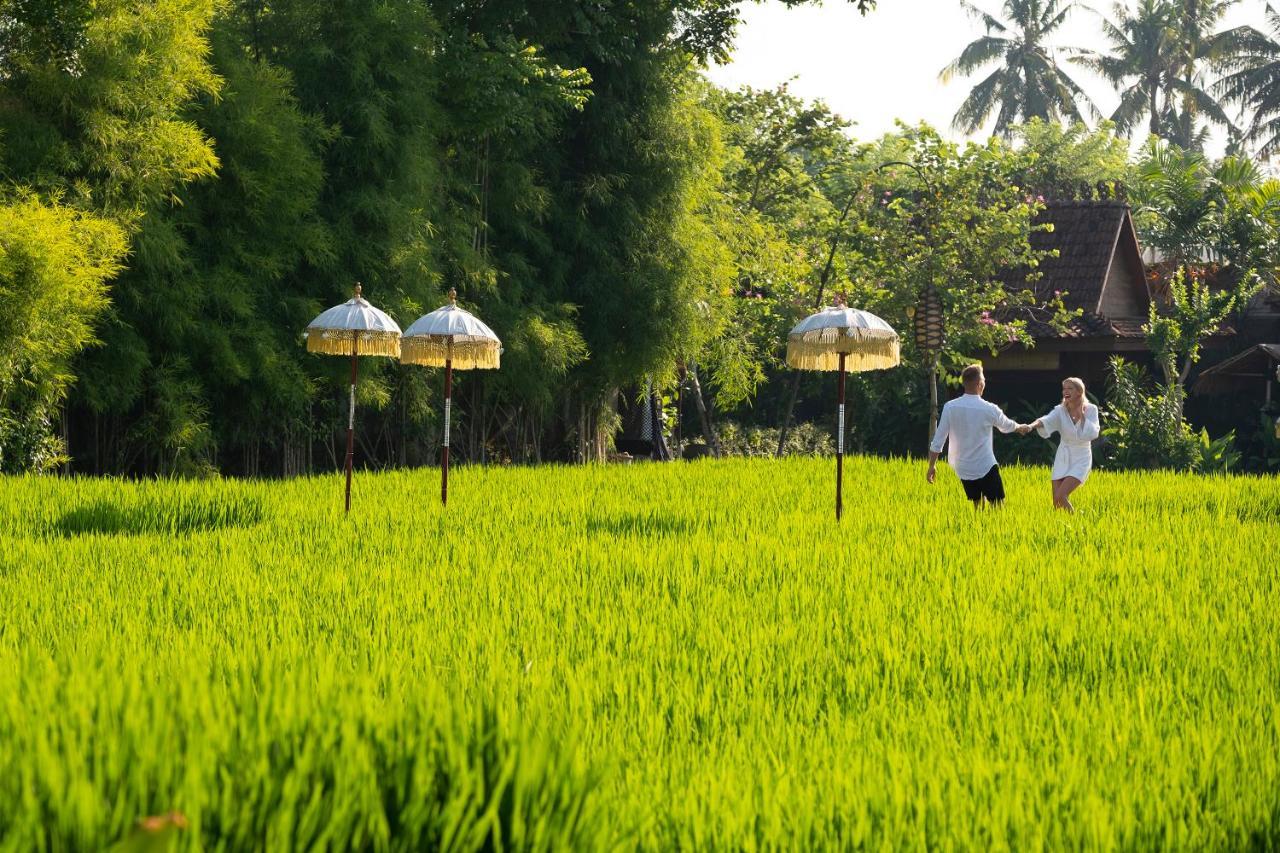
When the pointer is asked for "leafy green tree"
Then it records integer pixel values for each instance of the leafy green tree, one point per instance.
(1070, 161)
(784, 163)
(201, 350)
(94, 94)
(1144, 426)
(1181, 200)
(938, 247)
(55, 262)
(1191, 312)
(1147, 428)
(1029, 81)
(94, 133)
(955, 223)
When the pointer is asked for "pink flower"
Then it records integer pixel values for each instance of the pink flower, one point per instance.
(1040, 199)
(887, 193)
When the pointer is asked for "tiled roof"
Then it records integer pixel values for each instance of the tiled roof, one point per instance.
(1086, 235)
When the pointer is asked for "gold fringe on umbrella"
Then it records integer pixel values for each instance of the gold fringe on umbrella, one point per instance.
(338, 342)
(864, 349)
(465, 352)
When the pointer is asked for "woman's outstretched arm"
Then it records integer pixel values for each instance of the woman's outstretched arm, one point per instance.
(1047, 425)
(1090, 429)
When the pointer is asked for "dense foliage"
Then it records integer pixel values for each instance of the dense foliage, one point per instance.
(189, 183)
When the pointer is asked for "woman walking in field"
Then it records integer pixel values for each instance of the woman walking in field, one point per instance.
(1075, 420)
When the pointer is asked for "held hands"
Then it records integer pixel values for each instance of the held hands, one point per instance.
(1023, 429)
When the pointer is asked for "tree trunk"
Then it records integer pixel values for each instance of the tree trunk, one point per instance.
(817, 303)
(1155, 109)
(933, 398)
(703, 413)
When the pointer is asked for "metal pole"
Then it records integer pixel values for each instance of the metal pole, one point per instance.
(351, 413)
(840, 440)
(444, 459)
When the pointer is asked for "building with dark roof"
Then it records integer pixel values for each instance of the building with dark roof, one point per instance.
(1098, 271)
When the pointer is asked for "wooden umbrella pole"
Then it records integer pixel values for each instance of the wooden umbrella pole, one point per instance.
(840, 440)
(351, 412)
(444, 459)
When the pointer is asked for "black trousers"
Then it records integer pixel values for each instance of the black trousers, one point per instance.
(988, 486)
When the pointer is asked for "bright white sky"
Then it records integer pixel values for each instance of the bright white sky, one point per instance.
(874, 69)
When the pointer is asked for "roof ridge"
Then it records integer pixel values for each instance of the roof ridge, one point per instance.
(1079, 202)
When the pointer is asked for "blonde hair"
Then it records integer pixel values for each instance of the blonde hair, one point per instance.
(1078, 384)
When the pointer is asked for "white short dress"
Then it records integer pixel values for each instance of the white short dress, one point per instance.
(1075, 455)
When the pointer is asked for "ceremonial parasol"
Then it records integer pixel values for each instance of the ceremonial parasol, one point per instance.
(354, 328)
(450, 337)
(842, 338)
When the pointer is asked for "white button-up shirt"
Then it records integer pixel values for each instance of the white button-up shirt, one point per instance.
(966, 425)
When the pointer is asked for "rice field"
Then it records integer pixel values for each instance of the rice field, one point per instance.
(652, 657)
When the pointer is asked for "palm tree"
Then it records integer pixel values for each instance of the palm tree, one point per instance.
(1029, 82)
(1159, 54)
(1255, 84)
(1140, 63)
(1202, 49)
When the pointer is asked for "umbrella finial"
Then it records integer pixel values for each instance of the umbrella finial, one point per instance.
(453, 296)
(359, 290)
(842, 301)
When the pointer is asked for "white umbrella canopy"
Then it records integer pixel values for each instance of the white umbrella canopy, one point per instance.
(866, 341)
(354, 328)
(842, 338)
(450, 337)
(450, 334)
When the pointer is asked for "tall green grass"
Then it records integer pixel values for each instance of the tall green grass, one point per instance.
(642, 656)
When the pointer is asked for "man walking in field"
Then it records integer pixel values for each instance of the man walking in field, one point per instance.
(966, 425)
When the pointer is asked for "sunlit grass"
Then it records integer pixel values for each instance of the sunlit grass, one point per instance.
(681, 655)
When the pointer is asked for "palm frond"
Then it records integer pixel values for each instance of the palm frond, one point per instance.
(978, 104)
(1203, 103)
(979, 52)
(1048, 26)
(1134, 104)
(992, 23)
(1075, 95)
(1225, 48)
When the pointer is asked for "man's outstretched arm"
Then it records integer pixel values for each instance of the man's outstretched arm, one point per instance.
(935, 446)
(1004, 423)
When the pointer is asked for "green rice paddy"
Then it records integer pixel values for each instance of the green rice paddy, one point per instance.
(644, 656)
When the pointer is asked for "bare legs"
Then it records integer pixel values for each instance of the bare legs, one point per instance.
(1062, 490)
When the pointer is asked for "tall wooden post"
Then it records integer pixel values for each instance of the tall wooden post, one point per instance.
(933, 396)
(351, 412)
(840, 440)
(444, 459)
